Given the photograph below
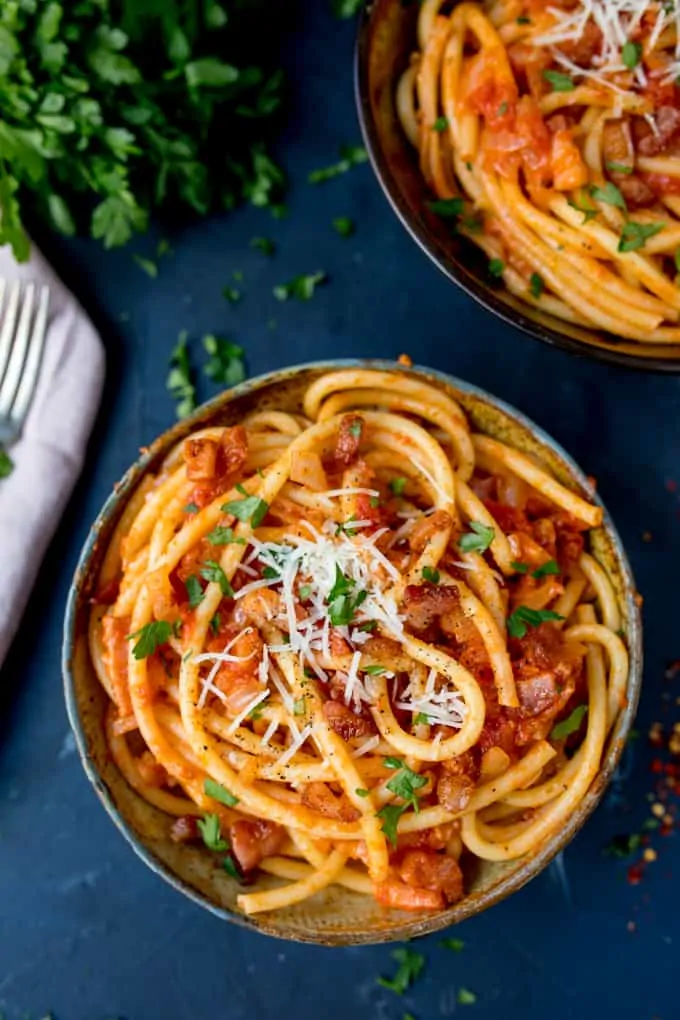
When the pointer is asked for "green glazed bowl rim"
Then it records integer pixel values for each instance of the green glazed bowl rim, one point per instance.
(469, 906)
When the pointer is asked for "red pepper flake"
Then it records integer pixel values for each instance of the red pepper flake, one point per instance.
(631, 926)
(406, 360)
(671, 485)
(672, 670)
(634, 874)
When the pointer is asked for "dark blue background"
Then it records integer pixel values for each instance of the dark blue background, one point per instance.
(86, 931)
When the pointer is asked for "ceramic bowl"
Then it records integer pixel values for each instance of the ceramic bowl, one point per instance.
(385, 41)
(336, 916)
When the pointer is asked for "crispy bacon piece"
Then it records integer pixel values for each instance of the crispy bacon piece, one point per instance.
(423, 869)
(184, 830)
(254, 839)
(200, 457)
(234, 449)
(582, 50)
(319, 797)
(151, 771)
(569, 170)
(651, 143)
(115, 630)
(349, 439)
(107, 593)
(212, 463)
(429, 839)
(454, 792)
(427, 528)
(396, 894)
(345, 723)
(546, 671)
(425, 603)
(238, 681)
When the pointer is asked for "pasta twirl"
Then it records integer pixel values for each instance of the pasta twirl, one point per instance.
(550, 133)
(358, 645)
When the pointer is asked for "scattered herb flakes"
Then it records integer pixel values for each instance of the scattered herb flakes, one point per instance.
(6, 464)
(212, 571)
(536, 285)
(191, 508)
(560, 82)
(623, 845)
(496, 267)
(440, 125)
(374, 670)
(447, 207)
(389, 816)
(570, 725)
(150, 637)
(263, 244)
(589, 211)
(300, 287)
(410, 967)
(551, 568)
(226, 360)
(478, 538)
(635, 235)
(520, 568)
(619, 168)
(631, 54)
(397, 486)
(215, 624)
(421, 719)
(299, 706)
(250, 508)
(346, 8)
(404, 785)
(224, 536)
(344, 226)
(610, 195)
(209, 827)
(350, 156)
(524, 617)
(229, 866)
(465, 997)
(194, 590)
(147, 265)
(430, 575)
(231, 294)
(456, 945)
(219, 793)
(163, 248)
(180, 378)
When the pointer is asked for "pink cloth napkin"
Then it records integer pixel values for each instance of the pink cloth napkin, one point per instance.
(49, 455)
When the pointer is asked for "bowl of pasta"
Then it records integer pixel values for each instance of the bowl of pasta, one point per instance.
(351, 653)
(533, 152)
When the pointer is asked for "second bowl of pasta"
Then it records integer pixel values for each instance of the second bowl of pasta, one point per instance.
(533, 151)
(351, 653)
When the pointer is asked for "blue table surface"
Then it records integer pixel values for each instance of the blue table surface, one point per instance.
(87, 932)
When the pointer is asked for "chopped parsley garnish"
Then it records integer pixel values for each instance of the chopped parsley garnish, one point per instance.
(270, 573)
(150, 637)
(496, 267)
(623, 845)
(299, 707)
(374, 502)
(389, 816)
(346, 8)
(447, 206)
(560, 82)
(213, 572)
(374, 670)
(256, 712)
(305, 591)
(209, 827)
(410, 968)
(215, 623)
(524, 617)
(180, 378)
(546, 569)
(350, 156)
(344, 226)
(356, 428)
(263, 244)
(634, 235)
(229, 866)
(676, 259)
(456, 945)
(219, 793)
(342, 604)
(191, 508)
(225, 363)
(405, 782)
(231, 294)
(440, 124)
(589, 211)
(465, 997)
(520, 568)
(250, 508)
(147, 265)
(300, 287)
(502, 109)
(224, 536)
(523, 20)
(631, 54)
(536, 285)
(478, 538)
(194, 591)
(609, 194)
(421, 719)
(369, 626)
(569, 725)
(472, 223)
(6, 464)
(619, 168)
(360, 792)
(431, 575)
(397, 486)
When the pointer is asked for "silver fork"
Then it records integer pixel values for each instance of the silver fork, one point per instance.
(23, 324)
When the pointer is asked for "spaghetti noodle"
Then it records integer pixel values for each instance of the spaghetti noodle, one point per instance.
(549, 130)
(357, 645)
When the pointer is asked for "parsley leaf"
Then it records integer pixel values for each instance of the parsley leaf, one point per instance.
(230, 867)
(569, 725)
(410, 968)
(465, 997)
(389, 815)
(350, 156)
(623, 845)
(609, 194)
(344, 226)
(631, 54)
(440, 124)
(404, 785)
(194, 591)
(213, 572)
(546, 569)
(496, 267)
(299, 706)
(209, 827)
(524, 617)
(536, 285)
(397, 486)
(191, 508)
(263, 244)
(431, 575)
(300, 287)
(560, 82)
(346, 8)
(360, 792)
(619, 168)
(6, 464)
(147, 265)
(250, 508)
(226, 360)
(231, 294)
(220, 793)
(634, 235)
(456, 945)
(150, 637)
(478, 539)
(447, 207)
(520, 568)
(589, 211)
(374, 670)
(421, 719)
(180, 378)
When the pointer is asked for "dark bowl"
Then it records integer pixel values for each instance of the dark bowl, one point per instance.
(385, 41)
(335, 916)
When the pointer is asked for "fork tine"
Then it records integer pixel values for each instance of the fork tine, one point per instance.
(7, 332)
(29, 378)
(10, 384)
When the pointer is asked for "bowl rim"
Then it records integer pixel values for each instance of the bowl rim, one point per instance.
(446, 264)
(421, 924)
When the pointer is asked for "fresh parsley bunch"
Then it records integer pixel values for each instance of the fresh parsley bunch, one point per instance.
(132, 104)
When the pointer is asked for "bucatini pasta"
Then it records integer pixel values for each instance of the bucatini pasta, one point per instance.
(549, 130)
(357, 645)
